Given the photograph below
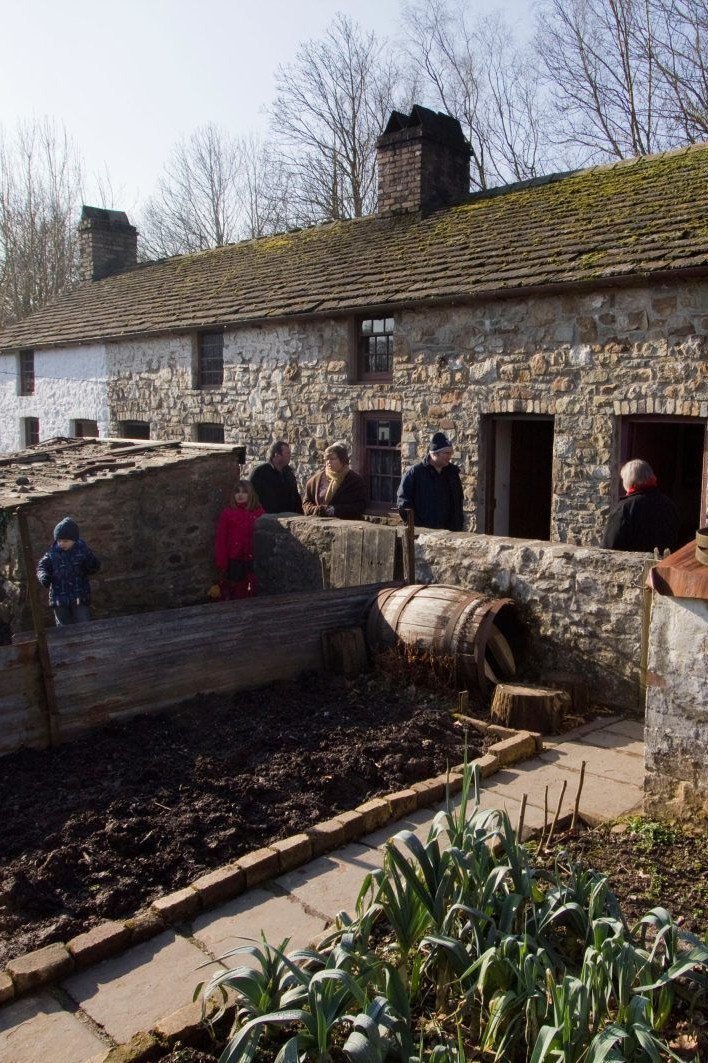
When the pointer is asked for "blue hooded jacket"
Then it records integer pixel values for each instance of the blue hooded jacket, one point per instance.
(66, 573)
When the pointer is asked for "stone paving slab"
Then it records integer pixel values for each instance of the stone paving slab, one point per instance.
(38, 1028)
(129, 993)
(617, 768)
(331, 884)
(233, 923)
(619, 743)
(631, 728)
(598, 797)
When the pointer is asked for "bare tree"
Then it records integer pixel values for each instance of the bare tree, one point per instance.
(332, 103)
(263, 188)
(40, 194)
(196, 205)
(473, 69)
(600, 64)
(679, 46)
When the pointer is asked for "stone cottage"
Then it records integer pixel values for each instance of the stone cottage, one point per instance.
(554, 328)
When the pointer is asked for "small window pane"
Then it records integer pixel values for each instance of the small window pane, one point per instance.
(210, 348)
(366, 326)
(26, 372)
(378, 324)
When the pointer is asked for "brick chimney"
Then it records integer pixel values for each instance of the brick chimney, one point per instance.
(423, 162)
(108, 243)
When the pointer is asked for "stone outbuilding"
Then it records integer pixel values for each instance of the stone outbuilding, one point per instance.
(553, 328)
(147, 510)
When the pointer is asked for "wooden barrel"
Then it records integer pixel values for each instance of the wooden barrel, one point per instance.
(482, 634)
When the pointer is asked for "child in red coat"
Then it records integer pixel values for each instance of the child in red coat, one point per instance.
(233, 547)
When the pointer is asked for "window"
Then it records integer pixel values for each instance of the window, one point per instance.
(382, 458)
(375, 348)
(210, 359)
(210, 433)
(30, 431)
(135, 429)
(26, 372)
(83, 428)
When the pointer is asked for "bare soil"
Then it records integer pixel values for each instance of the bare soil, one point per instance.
(99, 827)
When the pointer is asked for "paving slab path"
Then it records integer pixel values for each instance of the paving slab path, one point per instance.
(87, 1014)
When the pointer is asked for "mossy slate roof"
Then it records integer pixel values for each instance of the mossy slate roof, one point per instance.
(630, 219)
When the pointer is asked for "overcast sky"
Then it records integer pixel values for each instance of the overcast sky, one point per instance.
(128, 80)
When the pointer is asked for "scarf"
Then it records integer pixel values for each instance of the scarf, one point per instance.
(642, 487)
(335, 482)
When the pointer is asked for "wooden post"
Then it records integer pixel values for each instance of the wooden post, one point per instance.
(45, 664)
(410, 544)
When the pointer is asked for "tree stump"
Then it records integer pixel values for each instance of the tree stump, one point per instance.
(529, 708)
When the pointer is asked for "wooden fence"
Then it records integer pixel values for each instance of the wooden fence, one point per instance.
(110, 669)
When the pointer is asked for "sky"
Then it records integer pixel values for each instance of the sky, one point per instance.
(129, 79)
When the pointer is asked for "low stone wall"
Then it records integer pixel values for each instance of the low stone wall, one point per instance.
(676, 733)
(580, 606)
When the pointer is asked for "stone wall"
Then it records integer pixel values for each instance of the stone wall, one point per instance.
(676, 733)
(581, 607)
(585, 359)
(153, 530)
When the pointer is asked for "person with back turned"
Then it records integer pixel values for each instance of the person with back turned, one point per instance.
(645, 519)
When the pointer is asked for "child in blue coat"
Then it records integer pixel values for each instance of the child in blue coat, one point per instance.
(65, 569)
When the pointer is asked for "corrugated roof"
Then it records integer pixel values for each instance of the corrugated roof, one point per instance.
(633, 218)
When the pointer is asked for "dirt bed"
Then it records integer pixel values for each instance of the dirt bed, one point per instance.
(100, 827)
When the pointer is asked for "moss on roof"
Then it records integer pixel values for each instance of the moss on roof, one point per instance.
(634, 218)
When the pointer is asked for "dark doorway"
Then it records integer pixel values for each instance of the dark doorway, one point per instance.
(519, 476)
(676, 450)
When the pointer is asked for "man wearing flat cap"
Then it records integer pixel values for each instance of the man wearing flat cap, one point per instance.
(433, 489)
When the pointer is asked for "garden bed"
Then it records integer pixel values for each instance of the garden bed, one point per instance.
(99, 827)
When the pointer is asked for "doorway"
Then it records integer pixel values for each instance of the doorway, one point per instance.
(519, 481)
(676, 449)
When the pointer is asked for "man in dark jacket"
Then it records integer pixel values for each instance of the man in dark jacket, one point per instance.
(433, 489)
(645, 519)
(274, 482)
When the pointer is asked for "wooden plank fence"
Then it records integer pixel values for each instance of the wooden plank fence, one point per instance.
(111, 669)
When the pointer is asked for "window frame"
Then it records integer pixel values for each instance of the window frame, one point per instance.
(27, 376)
(362, 338)
(77, 428)
(30, 431)
(129, 421)
(202, 425)
(200, 372)
(377, 505)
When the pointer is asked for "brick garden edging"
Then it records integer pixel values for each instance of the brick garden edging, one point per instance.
(53, 962)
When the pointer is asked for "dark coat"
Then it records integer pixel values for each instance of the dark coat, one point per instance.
(642, 521)
(435, 497)
(277, 491)
(66, 573)
(348, 502)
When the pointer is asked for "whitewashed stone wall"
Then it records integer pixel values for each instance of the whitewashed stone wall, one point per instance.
(70, 384)
(676, 736)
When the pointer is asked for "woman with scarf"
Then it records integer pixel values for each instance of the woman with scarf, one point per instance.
(335, 491)
(645, 519)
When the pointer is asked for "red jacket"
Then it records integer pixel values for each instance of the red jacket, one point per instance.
(234, 535)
